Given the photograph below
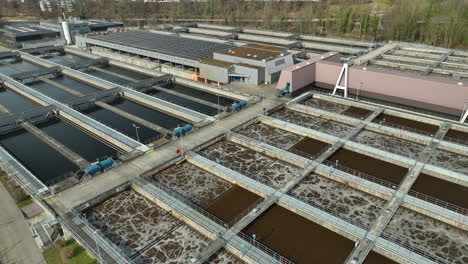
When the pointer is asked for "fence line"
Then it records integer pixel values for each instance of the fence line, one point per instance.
(441, 203)
(103, 238)
(404, 244)
(404, 128)
(361, 175)
(245, 212)
(456, 140)
(264, 248)
(187, 202)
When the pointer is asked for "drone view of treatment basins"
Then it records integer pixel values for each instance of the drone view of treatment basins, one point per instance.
(202, 143)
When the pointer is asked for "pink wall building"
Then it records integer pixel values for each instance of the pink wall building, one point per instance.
(432, 93)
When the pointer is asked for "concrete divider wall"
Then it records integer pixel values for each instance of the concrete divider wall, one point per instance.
(96, 132)
(434, 94)
(176, 214)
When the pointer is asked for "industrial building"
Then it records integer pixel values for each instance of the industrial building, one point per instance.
(209, 61)
(29, 35)
(49, 33)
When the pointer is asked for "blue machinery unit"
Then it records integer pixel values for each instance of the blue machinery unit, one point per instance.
(238, 106)
(180, 131)
(284, 91)
(99, 167)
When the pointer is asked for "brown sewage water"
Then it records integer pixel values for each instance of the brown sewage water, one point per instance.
(310, 146)
(443, 190)
(219, 197)
(376, 258)
(356, 112)
(374, 167)
(408, 123)
(232, 203)
(457, 135)
(325, 105)
(298, 239)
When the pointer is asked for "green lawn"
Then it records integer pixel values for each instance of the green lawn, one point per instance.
(81, 257)
(52, 254)
(19, 196)
(24, 203)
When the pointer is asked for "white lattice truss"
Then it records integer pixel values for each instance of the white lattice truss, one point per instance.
(343, 73)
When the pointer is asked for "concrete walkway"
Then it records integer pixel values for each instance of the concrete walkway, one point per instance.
(16, 243)
(109, 180)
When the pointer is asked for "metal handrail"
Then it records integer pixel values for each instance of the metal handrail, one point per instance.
(188, 202)
(81, 240)
(245, 212)
(441, 203)
(400, 127)
(308, 155)
(262, 247)
(424, 253)
(424, 197)
(361, 175)
(103, 238)
(456, 140)
(356, 116)
(342, 217)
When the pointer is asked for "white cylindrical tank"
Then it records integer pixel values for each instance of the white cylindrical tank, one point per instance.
(66, 32)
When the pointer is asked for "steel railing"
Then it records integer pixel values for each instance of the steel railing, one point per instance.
(407, 246)
(187, 202)
(330, 211)
(441, 203)
(393, 186)
(308, 155)
(265, 249)
(456, 140)
(245, 212)
(215, 219)
(356, 116)
(102, 239)
(404, 128)
(361, 175)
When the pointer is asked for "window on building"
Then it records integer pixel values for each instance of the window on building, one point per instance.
(279, 62)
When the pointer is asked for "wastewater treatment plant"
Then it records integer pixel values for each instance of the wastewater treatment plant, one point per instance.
(200, 143)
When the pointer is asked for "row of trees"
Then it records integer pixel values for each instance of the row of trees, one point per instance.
(435, 22)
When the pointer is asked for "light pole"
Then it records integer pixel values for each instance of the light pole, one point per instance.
(97, 245)
(181, 146)
(136, 130)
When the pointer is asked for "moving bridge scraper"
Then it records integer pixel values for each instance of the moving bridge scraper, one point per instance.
(31, 75)
(24, 120)
(10, 54)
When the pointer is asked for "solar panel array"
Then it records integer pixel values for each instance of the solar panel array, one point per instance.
(167, 44)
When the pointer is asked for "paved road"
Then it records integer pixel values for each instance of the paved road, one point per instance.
(16, 243)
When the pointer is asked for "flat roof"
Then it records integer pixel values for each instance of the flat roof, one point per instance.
(265, 47)
(173, 45)
(249, 52)
(20, 30)
(226, 64)
(215, 62)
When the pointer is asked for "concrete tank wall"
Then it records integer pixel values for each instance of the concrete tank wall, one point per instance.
(434, 94)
